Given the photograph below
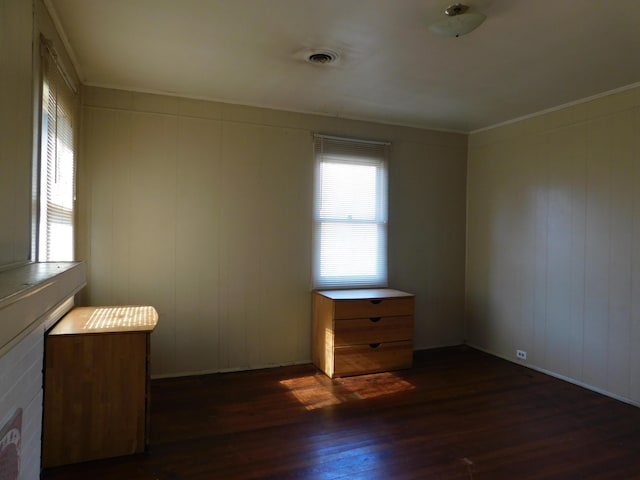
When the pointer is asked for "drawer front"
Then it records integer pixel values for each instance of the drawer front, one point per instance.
(372, 330)
(359, 359)
(383, 307)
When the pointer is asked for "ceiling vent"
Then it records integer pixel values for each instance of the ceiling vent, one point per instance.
(321, 57)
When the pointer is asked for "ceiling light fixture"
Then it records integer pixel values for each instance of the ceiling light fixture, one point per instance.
(458, 22)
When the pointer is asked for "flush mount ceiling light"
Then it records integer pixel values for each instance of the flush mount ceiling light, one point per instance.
(458, 22)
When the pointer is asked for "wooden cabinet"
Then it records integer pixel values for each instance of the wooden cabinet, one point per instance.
(96, 384)
(362, 331)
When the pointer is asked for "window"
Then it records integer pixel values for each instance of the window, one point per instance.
(57, 164)
(350, 213)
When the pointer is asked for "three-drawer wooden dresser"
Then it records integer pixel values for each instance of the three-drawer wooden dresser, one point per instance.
(362, 331)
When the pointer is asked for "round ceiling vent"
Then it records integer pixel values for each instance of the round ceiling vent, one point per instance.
(322, 57)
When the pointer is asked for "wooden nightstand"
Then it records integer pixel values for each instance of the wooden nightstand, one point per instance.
(96, 384)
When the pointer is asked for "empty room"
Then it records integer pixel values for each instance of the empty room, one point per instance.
(319, 239)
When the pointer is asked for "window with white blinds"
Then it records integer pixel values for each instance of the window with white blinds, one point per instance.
(57, 166)
(350, 213)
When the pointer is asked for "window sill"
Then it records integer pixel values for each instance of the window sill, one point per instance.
(34, 293)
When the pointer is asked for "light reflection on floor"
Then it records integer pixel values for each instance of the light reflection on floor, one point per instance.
(318, 391)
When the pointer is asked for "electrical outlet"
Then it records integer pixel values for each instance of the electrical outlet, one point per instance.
(521, 354)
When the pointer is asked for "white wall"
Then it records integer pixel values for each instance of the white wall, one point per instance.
(21, 380)
(204, 210)
(553, 262)
(16, 101)
(22, 331)
(20, 367)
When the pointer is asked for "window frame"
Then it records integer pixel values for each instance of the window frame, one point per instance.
(354, 152)
(47, 212)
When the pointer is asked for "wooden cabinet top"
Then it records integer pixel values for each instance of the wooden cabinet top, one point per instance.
(363, 294)
(116, 319)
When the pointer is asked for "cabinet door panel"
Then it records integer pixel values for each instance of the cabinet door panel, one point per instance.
(94, 397)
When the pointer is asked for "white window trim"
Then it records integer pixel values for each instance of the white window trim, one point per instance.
(55, 212)
(356, 152)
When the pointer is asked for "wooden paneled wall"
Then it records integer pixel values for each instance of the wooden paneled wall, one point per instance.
(204, 210)
(553, 265)
(16, 130)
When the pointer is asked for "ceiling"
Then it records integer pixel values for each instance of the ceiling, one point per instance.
(528, 56)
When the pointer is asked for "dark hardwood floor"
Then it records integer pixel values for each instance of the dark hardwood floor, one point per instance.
(458, 414)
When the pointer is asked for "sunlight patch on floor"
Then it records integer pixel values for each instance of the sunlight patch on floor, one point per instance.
(318, 391)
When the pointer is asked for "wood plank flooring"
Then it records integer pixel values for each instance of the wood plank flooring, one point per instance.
(458, 414)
